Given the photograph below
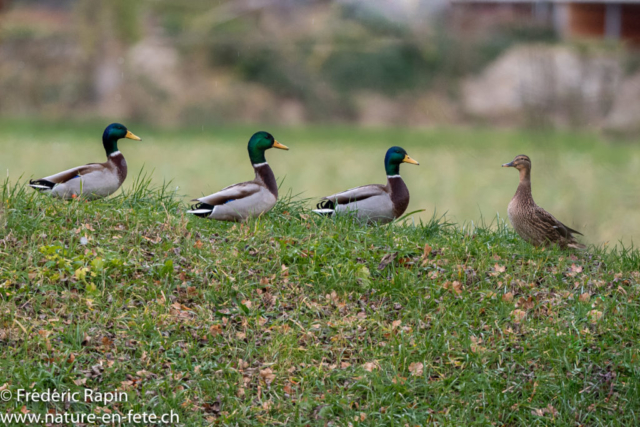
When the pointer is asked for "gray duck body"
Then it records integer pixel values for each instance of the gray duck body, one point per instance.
(246, 200)
(374, 203)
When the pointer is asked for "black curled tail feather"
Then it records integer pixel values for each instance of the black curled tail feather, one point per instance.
(326, 204)
(202, 205)
(41, 184)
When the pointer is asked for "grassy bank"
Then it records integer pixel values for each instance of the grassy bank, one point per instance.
(587, 182)
(299, 320)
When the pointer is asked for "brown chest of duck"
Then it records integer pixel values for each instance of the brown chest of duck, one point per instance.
(531, 222)
(375, 202)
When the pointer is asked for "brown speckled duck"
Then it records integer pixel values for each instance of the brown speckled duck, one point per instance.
(531, 222)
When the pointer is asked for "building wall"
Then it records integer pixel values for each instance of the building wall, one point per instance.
(586, 20)
(472, 18)
(631, 23)
(571, 19)
(599, 20)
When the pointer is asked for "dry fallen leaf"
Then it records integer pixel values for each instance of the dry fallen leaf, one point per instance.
(386, 260)
(527, 304)
(508, 297)
(370, 366)
(551, 410)
(399, 380)
(426, 253)
(454, 286)
(416, 369)
(548, 410)
(595, 315)
(585, 297)
(518, 315)
(267, 375)
(475, 345)
(457, 287)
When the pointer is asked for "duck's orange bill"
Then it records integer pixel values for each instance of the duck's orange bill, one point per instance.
(408, 159)
(276, 144)
(129, 135)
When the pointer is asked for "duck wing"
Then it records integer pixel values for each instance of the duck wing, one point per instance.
(357, 194)
(550, 223)
(47, 183)
(232, 192)
(206, 205)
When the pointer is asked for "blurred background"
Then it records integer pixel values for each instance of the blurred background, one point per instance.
(462, 85)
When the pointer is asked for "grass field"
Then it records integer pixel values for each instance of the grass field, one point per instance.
(294, 319)
(299, 320)
(589, 183)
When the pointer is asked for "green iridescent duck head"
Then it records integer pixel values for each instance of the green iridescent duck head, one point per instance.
(112, 134)
(259, 143)
(394, 157)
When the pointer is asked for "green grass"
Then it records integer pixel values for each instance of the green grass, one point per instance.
(293, 319)
(588, 183)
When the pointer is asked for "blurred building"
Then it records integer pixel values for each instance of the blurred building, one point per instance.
(610, 19)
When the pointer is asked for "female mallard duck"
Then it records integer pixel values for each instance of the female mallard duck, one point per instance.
(374, 202)
(248, 199)
(94, 180)
(531, 222)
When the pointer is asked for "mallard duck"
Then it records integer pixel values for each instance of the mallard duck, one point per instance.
(248, 199)
(531, 222)
(375, 202)
(93, 180)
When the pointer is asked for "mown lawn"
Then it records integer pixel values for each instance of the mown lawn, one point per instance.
(294, 319)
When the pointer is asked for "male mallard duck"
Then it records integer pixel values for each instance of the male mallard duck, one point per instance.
(374, 202)
(248, 199)
(94, 180)
(531, 222)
